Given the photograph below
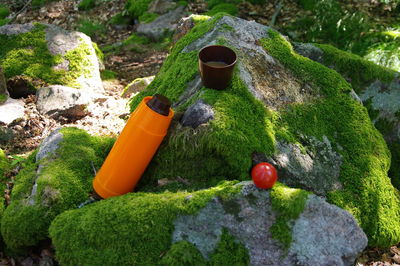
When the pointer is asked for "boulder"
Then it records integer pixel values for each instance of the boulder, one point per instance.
(166, 23)
(48, 185)
(11, 110)
(322, 233)
(375, 86)
(280, 104)
(51, 54)
(57, 100)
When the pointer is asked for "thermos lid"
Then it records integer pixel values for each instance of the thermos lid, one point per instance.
(160, 104)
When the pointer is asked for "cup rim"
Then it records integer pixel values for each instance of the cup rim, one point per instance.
(217, 45)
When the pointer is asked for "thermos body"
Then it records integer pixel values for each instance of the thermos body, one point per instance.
(133, 151)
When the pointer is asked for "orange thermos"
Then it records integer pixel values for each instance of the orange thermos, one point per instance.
(135, 147)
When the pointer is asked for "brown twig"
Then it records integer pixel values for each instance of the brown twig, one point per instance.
(21, 10)
(276, 14)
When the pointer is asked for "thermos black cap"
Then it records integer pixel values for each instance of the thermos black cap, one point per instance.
(160, 104)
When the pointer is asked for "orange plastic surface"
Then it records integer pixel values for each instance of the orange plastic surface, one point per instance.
(132, 152)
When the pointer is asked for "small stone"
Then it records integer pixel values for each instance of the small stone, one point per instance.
(56, 101)
(11, 110)
(197, 114)
(157, 29)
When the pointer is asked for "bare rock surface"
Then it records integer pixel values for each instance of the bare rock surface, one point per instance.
(317, 169)
(11, 110)
(57, 101)
(336, 238)
(166, 23)
(49, 145)
(324, 234)
(197, 114)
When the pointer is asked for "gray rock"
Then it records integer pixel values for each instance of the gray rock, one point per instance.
(46, 149)
(49, 145)
(11, 110)
(249, 217)
(309, 50)
(60, 41)
(166, 23)
(197, 114)
(13, 29)
(57, 101)
(317, 169)
(384, 97)
(336, 238)
(137, 85)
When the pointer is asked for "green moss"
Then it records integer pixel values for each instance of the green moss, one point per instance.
(135, 39)
(120, 19)
(91, 28)
(307, 4)
(64, 182)
(39, 3)
(345, 63)
(367, 192)
(133, 229)
(224, 7)
(3, 98)
(4, 11)
(4, 164)
(229, 252)
(212, 3)
(147, 17)
(136, 8)
(27, 54)
(183, 253)
(108, 74)
(4, 21)
(200, 18)
(288, 203)
(86, 4)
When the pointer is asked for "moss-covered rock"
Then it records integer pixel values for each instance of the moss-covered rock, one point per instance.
(224, 225)
(304, 100)
(58, 179)
(50, 54)
(377, 87)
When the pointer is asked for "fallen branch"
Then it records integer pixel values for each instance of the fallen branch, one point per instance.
(276, 14)
(21, 10)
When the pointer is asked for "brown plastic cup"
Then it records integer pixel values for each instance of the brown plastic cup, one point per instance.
(216, 64)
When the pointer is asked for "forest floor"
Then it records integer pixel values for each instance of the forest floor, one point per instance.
(129, 64)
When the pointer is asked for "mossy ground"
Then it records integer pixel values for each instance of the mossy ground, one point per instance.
(65, 181)
(27, 54)
(142, 227)
(367, 193)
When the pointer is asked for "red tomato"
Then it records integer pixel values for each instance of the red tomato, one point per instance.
(264, 175)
